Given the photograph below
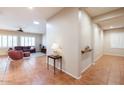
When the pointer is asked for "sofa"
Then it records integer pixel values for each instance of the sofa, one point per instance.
(15, 55)
(25, 49)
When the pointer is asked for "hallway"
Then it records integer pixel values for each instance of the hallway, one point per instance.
(107, 70)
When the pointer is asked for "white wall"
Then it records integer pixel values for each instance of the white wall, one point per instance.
(98, 42)
(44, 39)
(44, 35)
(73, 30)
(64, 30)
(86, 37)
(107, 48)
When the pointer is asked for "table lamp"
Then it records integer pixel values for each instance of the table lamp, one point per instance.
(55, 48)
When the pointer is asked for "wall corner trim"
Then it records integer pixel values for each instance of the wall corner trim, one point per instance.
(86, 68)
(71, 75)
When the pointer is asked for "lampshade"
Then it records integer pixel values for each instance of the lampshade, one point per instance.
(55, 46)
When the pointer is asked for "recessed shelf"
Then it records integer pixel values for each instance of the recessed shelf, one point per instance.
(86, 50)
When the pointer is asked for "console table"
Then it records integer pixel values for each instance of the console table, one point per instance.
(43, 50)
(54, 58)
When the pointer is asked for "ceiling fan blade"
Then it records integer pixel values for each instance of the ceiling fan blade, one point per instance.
(20, 30)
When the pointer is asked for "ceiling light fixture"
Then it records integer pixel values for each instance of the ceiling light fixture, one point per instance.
(36, 22)
(111, 27)
(30, 7)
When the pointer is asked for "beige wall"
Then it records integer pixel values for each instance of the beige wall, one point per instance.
(3, 51)
(107, 49)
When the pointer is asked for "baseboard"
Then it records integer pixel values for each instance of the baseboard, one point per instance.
(3, 55)
(85, 68)
(114, 54)
(71, 75)
(98, 58)
(66, 72)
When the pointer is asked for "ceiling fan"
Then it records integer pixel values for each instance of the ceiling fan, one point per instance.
(20, 30)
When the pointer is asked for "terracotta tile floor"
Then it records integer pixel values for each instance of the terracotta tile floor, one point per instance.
(107, 70)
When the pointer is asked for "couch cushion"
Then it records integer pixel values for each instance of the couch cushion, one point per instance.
(18, 48)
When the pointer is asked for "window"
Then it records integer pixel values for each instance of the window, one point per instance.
(22, 41)
(33, 41)
(10, 41)
(117, 40)
(30, 41)
(7, 41)
(15, 40)
(27, 41)
(4, 41)
(0, 41)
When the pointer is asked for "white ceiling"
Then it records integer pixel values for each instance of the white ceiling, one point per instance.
(96, 11)
(15, 17)
(107, 17)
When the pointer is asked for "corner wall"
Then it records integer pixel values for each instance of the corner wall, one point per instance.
(86, 37)
(90, 35)
(98, 42)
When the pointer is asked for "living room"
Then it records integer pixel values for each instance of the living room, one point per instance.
(82, 38)
(62, 46)
(22, 40)
(12, 39)
(19, 32)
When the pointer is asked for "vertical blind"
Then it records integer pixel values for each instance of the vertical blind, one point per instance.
(8, 41)
(27, 41)
(11, 41)
(117, 40)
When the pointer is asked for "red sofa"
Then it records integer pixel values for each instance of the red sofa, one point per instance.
(15, 55)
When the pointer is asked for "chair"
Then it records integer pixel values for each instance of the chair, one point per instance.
(15, 55)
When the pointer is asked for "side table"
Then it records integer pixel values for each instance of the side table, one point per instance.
(57, 57)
